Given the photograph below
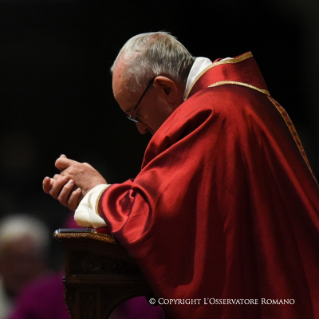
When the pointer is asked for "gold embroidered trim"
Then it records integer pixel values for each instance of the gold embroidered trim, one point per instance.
(234, 60)
(241, 84)
(293, 132)
(98, 199)
(96, 236)
(283, 114)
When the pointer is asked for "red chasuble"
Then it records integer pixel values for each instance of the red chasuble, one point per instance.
(223, 217)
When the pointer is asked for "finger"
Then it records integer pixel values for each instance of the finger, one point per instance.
(47, 184)
(57, 186)
(74, 199)
(66, 192)
(62, 163)
(62, 155)
(57, 176)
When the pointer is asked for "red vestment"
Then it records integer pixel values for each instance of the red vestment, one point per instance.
(225, 205)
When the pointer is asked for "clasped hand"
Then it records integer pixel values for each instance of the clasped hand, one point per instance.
(73, 182)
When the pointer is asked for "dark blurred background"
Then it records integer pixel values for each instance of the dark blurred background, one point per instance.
(56, 94)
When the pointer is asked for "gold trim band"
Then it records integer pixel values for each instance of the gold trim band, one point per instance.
(233, 60)
(241, 84)
(293, 132)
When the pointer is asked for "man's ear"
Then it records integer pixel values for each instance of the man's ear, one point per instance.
(167, 87)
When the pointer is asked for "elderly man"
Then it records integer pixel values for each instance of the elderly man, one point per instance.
(223, 217)
(24, 242)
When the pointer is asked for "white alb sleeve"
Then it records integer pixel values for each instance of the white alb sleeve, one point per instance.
(86, 214)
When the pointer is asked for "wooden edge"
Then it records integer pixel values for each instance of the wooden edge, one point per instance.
(90, 234)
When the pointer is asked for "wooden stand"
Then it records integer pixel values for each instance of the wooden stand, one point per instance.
(99, 274)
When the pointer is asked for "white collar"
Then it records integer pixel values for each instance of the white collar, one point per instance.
(199, 65)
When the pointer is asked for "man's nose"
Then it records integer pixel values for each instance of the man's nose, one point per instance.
(142, 128)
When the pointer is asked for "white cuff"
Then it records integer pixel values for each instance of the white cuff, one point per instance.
(86, 214)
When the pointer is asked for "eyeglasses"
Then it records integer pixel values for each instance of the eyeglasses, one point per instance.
(130, 117)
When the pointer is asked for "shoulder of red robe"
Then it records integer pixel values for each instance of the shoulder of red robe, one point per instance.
(241, 70)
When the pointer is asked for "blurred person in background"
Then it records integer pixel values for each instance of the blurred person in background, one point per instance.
(24, 244)
(43, 298)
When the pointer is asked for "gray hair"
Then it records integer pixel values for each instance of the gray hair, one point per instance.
(18, 226)
(148, 55)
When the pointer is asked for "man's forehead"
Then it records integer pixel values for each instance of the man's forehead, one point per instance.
(118, 78)
(118, 73)
(123, 95)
